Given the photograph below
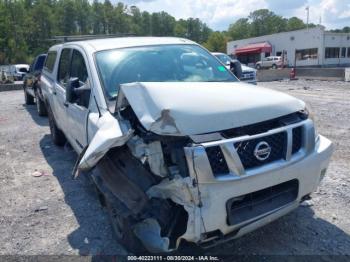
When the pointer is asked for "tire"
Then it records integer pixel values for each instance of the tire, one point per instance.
(28, 99)
(258, 67)
(57, 135)
(274, 66)
(40, 106)
(123, 230)
(122, 226)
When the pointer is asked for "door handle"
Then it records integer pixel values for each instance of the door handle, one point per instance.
(65, 104)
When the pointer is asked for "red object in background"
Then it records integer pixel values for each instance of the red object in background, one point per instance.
(263, 47)
(292, 73)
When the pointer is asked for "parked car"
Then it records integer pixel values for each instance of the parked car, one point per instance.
(31, 85)
(248, 74)
(5, 76)
(269, 62)
(16, 72)
(178, 148)
(19, 71)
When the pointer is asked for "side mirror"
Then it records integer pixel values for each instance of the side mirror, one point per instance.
(73, 83)
(236, 69)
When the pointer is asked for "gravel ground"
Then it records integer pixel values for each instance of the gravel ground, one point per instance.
(53, 214)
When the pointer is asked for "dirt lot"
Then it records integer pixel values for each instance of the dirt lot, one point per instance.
(52, 214)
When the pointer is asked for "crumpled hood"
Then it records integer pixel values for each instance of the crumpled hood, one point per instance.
(190, 108)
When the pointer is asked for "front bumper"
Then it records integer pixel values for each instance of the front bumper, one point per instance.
(211, 226)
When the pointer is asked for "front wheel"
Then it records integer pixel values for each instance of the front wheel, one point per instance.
(57, 135)
(258, 67)
(123, 230)
(274, 66)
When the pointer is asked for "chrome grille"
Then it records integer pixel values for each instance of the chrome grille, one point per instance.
(245, 150)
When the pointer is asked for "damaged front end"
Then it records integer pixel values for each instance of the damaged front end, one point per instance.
(144, 178)
(147, 158)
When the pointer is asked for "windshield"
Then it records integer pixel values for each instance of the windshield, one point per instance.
(224, 58)
(164, 63)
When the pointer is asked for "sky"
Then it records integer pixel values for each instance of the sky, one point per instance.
(219, 14)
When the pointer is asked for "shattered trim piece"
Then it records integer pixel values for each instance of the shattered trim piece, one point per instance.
(148, 231)
(181, 191)
(110, 134)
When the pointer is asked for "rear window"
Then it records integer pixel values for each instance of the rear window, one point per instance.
(50, 61)
(22, 70)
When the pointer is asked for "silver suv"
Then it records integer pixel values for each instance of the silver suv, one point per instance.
(270, 62)
(178, 148)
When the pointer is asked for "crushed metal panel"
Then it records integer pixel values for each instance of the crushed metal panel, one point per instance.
(155, 159)
(181, 191)
(182, 108)
(110, 134)
(128, 192)
(150, 152)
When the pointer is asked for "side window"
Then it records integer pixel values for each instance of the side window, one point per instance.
(63, 67)
(50, 61)
(78, 70)
(39, 63)
(78, 67)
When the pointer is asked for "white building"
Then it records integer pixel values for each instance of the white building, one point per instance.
(306, 47)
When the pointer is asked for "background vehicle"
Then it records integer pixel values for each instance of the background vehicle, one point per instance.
(179, 149)
(31, 84)
(248, 74)
(5, 76)
(19, 71)
(269, 62)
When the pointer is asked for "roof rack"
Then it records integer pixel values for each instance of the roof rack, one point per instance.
(70, 38)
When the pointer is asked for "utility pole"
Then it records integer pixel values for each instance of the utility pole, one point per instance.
(307, 17)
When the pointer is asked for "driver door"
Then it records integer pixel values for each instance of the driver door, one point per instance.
(77, 112)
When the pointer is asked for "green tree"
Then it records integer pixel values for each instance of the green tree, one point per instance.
(146, 24)
(66, 17)
(98, 20)
(240, 29)
(294, 23)
(216, 42)
(83, 16)
(180, 29)
(264, 22)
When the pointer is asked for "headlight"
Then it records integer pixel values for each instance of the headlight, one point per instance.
(309, 114)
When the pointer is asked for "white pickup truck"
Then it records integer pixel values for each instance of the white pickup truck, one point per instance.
(178, 147)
